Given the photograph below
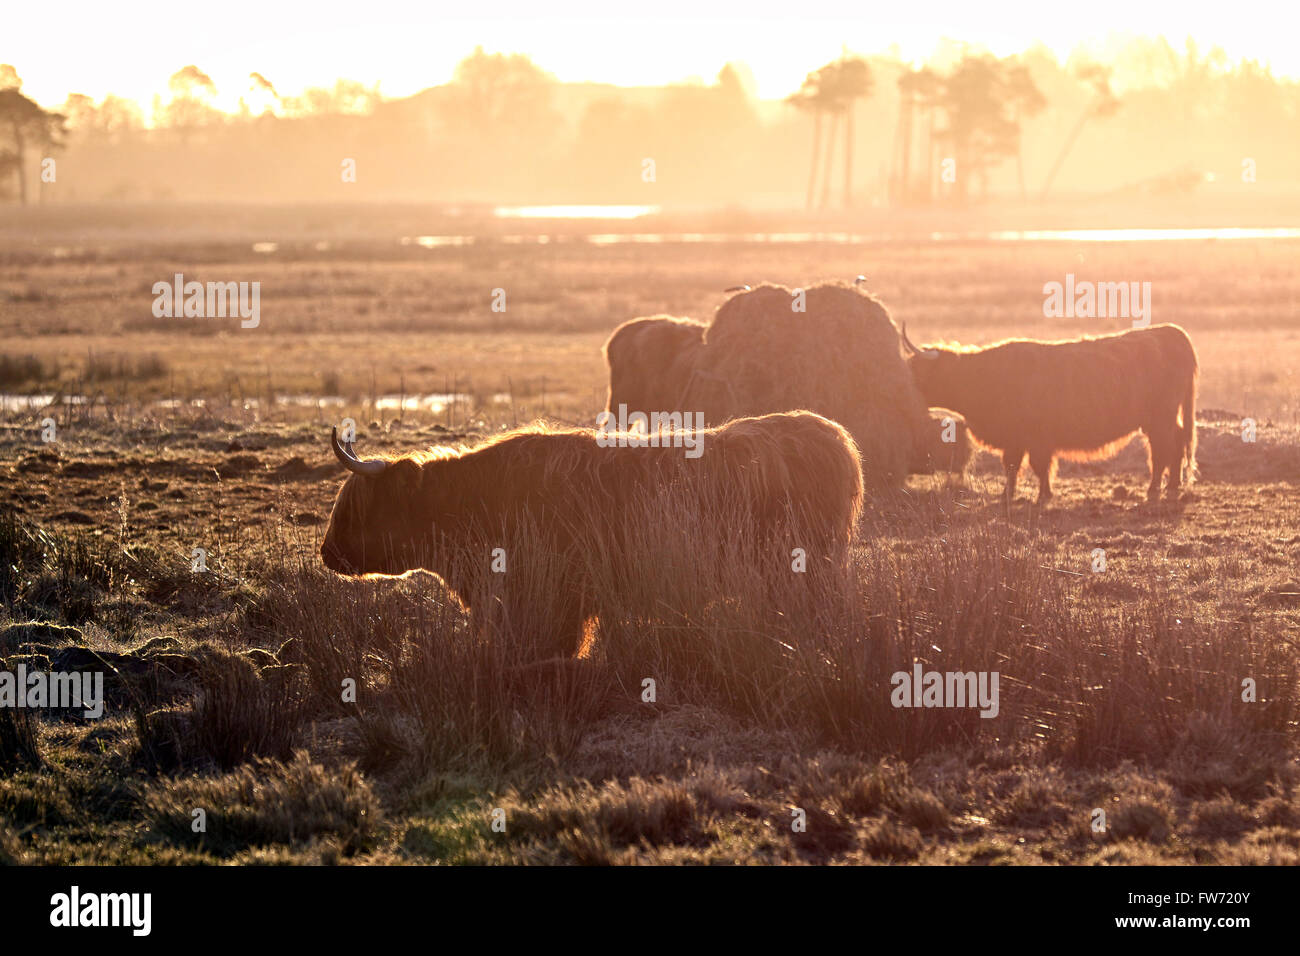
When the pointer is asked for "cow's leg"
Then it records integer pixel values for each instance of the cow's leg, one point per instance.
(1043, 461)
(1175, 460)
(1175, 487)
(1011, 461)
(1160, 441)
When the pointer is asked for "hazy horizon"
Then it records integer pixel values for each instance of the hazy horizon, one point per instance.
(680, 43)
(690, 106)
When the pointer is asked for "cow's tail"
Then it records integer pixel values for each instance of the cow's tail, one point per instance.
(1187, 433)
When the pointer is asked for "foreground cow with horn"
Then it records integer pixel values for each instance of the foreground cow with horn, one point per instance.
(782, 481)
(1080, 399)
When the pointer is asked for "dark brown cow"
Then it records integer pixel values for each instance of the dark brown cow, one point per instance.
(1080, 399)
(651, 361)
(788, 480)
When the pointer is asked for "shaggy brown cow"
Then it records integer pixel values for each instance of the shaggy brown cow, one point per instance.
(1082, 399)
(779, 481)
(651, 361)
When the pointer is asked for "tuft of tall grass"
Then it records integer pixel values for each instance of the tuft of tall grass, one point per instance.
(63, 572)
(818, 651)
(268, 802)
(241, 714)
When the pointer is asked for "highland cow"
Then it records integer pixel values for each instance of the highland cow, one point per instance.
(1079, 399)
(651, 362)
(560, 497)
(832, 350)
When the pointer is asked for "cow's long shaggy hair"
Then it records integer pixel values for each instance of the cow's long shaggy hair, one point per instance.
(840, 357)
(1080, 399)
(552, 498)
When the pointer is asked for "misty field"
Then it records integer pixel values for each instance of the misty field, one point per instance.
(1121, 690)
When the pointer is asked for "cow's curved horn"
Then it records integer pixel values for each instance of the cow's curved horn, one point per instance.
(349, 460)
(737, 288)
(912, 349)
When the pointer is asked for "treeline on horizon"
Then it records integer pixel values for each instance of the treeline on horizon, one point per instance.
(861, 131)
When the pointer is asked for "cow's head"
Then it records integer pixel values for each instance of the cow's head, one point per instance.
(374, 528)
(650, 362)
(934, 370)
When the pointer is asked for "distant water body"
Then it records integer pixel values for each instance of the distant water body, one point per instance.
(626, 213)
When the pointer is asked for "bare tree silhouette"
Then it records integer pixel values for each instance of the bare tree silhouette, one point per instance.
(918, 92)
(984, 101)
(831, 92)
(810, 98)
(23, 123)
(854, 82)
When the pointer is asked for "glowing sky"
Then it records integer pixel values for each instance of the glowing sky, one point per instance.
(131, 48)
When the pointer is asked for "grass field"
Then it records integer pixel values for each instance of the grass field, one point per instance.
(1121, 690)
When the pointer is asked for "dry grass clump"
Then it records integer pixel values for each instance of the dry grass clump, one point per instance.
(267, 802)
